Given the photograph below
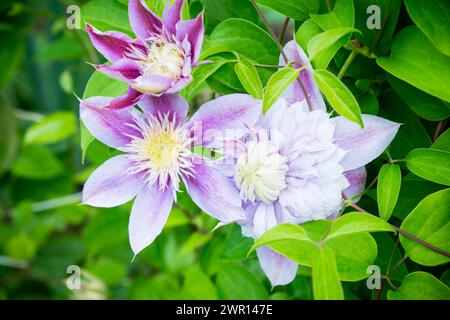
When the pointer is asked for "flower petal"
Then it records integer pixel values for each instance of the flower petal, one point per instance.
(294, 92)
(152, 84)
(230, 112)
(172, 14)
(111, 184)
(179, 84)
(192, 30)
(142, 20)
(149, 214)
(129, 99)
(357, 180)
(214, 193)
(363, 144)
(113, 45)
(279, 269)
(167, 103)
(123, 69)
(112, 127)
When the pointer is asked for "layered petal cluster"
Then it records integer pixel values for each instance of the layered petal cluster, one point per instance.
(295, 165)
(157, 142)
(159, 60)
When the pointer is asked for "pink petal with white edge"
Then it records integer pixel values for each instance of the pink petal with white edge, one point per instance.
(227, 113)
(123, 69)
(149, 214)
(357, 180)
(192, 30)
(172, 14)
(279, 269)
(294, 92)
(112, 127)
(152, 84)
(111, 184)
(142, 20)
(171, 104)
(363, 144)
(113, 45)
(214, 193)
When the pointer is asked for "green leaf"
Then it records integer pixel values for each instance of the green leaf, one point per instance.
(107, 15)
(442, 142)
(236, 245)
(343, 15)
(306, 32)
(100, 84)
(198, 285)
(37, 163)
(388, 255)
(9, 139)
(357, 222)
(200, 74)
(297, 10)
(324, 40)
(20, 246)
(432, 17)
(236, 283)
(420, 285)
(388, 189)
(423, 104)
(52, 128)
(429, 221)
(338, 95)
(276, 85)
(217, 11)
(248, 75)
(326, 284)
(157, 6)
(210, 48)
(430, 164)
(410, 61)
(12, 51)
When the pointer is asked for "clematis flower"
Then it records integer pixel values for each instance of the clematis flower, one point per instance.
(156, 143)
(294, 165)
(159, 60)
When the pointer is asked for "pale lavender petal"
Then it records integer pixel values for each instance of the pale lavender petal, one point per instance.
(172, 104)
(357, 180)
(113, 45)
(192, 30)
(214, 193)
(149, 214)
(264, 219)
(279, 269)
(142, 20)
(111, 184)
(294, 92)
(227, 113)
(363, 144)
(123, 69)
(172, 14)
(179, 85)
(112, 127)
(152, 84)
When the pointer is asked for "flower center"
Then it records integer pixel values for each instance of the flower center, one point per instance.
(261, 172)
(163, 59)
(163, 152)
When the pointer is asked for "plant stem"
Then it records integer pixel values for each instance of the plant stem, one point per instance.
(57, 202)
(438, 130)
(347, 63)
(285, 58)
(283, 30)
(28, 115)
(403, 232)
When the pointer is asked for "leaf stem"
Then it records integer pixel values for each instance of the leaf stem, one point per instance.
(283, 30)
(347, 63)
(438, 130)
(278, 44)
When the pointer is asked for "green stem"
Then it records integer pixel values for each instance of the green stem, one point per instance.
(347, 63)
(283, 30)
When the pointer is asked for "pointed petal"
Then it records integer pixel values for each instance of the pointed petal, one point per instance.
(357, 180)
(279, 269)
(149, 214)
(193, 30)
(214, 193)
(152, 84)
(172, 14)
(129, 99)
(112, 127)
(111, 184)
(142, 20)
(179, 85)
(167, 103)
(294, 92)
(123, 69)
(230, 112)
(264, 219)
(363, 144)
(112, 45)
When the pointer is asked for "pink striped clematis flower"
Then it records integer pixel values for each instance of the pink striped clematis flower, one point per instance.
(159, 60)
(157, 142)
